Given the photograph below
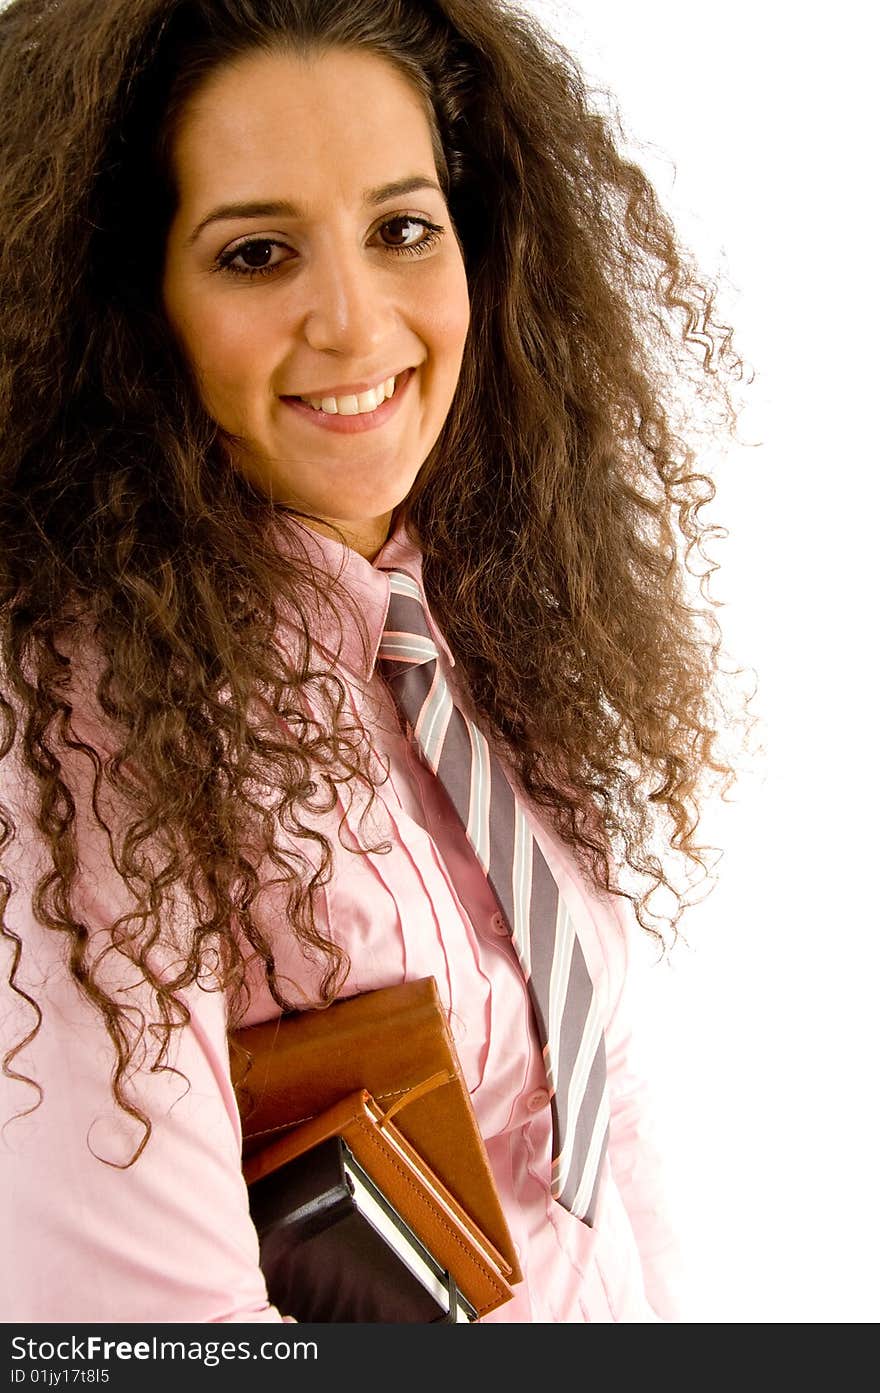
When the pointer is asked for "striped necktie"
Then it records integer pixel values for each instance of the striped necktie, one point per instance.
(539, 923)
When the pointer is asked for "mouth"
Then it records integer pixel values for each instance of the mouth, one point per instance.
(357, 400)
(355, 414)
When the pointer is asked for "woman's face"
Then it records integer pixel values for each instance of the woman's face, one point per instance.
(294, 269)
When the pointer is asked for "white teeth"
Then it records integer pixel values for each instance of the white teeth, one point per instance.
(354, 406)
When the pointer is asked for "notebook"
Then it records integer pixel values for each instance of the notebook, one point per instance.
(380, 1070)
(334, 1248)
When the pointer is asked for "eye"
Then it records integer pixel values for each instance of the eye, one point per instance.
(257, 252)
(431, 234)
(254, 250)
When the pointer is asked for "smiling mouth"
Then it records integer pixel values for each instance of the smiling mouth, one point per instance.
(354, 404)
(353, 414)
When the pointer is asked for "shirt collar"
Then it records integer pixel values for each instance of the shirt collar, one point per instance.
(361, 592)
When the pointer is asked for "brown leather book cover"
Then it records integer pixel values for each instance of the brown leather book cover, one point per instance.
(416, 1193)
(387, 1042)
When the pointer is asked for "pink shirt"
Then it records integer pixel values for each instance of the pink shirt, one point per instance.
(170, 1238)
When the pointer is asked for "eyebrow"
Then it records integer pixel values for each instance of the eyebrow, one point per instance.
(262, 208)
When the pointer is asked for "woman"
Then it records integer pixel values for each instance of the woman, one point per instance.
(305, 302)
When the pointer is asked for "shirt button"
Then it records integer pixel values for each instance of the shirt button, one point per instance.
(497, 924)
(538, 1100)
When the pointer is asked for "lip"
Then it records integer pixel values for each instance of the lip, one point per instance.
(354, 425)
(350, 389)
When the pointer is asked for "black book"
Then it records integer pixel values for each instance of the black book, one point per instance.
(333, 1247)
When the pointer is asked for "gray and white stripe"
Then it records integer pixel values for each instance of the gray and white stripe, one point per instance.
(542, 930)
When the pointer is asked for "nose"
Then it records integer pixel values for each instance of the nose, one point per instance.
(348, 305)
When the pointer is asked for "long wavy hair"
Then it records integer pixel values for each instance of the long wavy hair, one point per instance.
(558, 511)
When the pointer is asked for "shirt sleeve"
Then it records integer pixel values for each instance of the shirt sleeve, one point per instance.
(166, 1239)
(87, 1236)
(634, 1149)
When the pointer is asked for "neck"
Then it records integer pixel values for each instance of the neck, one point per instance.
(366, 536)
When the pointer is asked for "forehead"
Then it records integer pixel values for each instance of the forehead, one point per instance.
(322, 125)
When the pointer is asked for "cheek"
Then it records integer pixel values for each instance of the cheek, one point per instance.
(223, 344)
(231, 337)
(446, 318)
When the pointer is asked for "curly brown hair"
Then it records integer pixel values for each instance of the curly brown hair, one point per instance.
(557, 512)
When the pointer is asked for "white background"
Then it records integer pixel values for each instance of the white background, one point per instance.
(755, 125)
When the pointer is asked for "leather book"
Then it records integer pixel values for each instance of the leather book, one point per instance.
(335, 1243)
(394, 1045)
